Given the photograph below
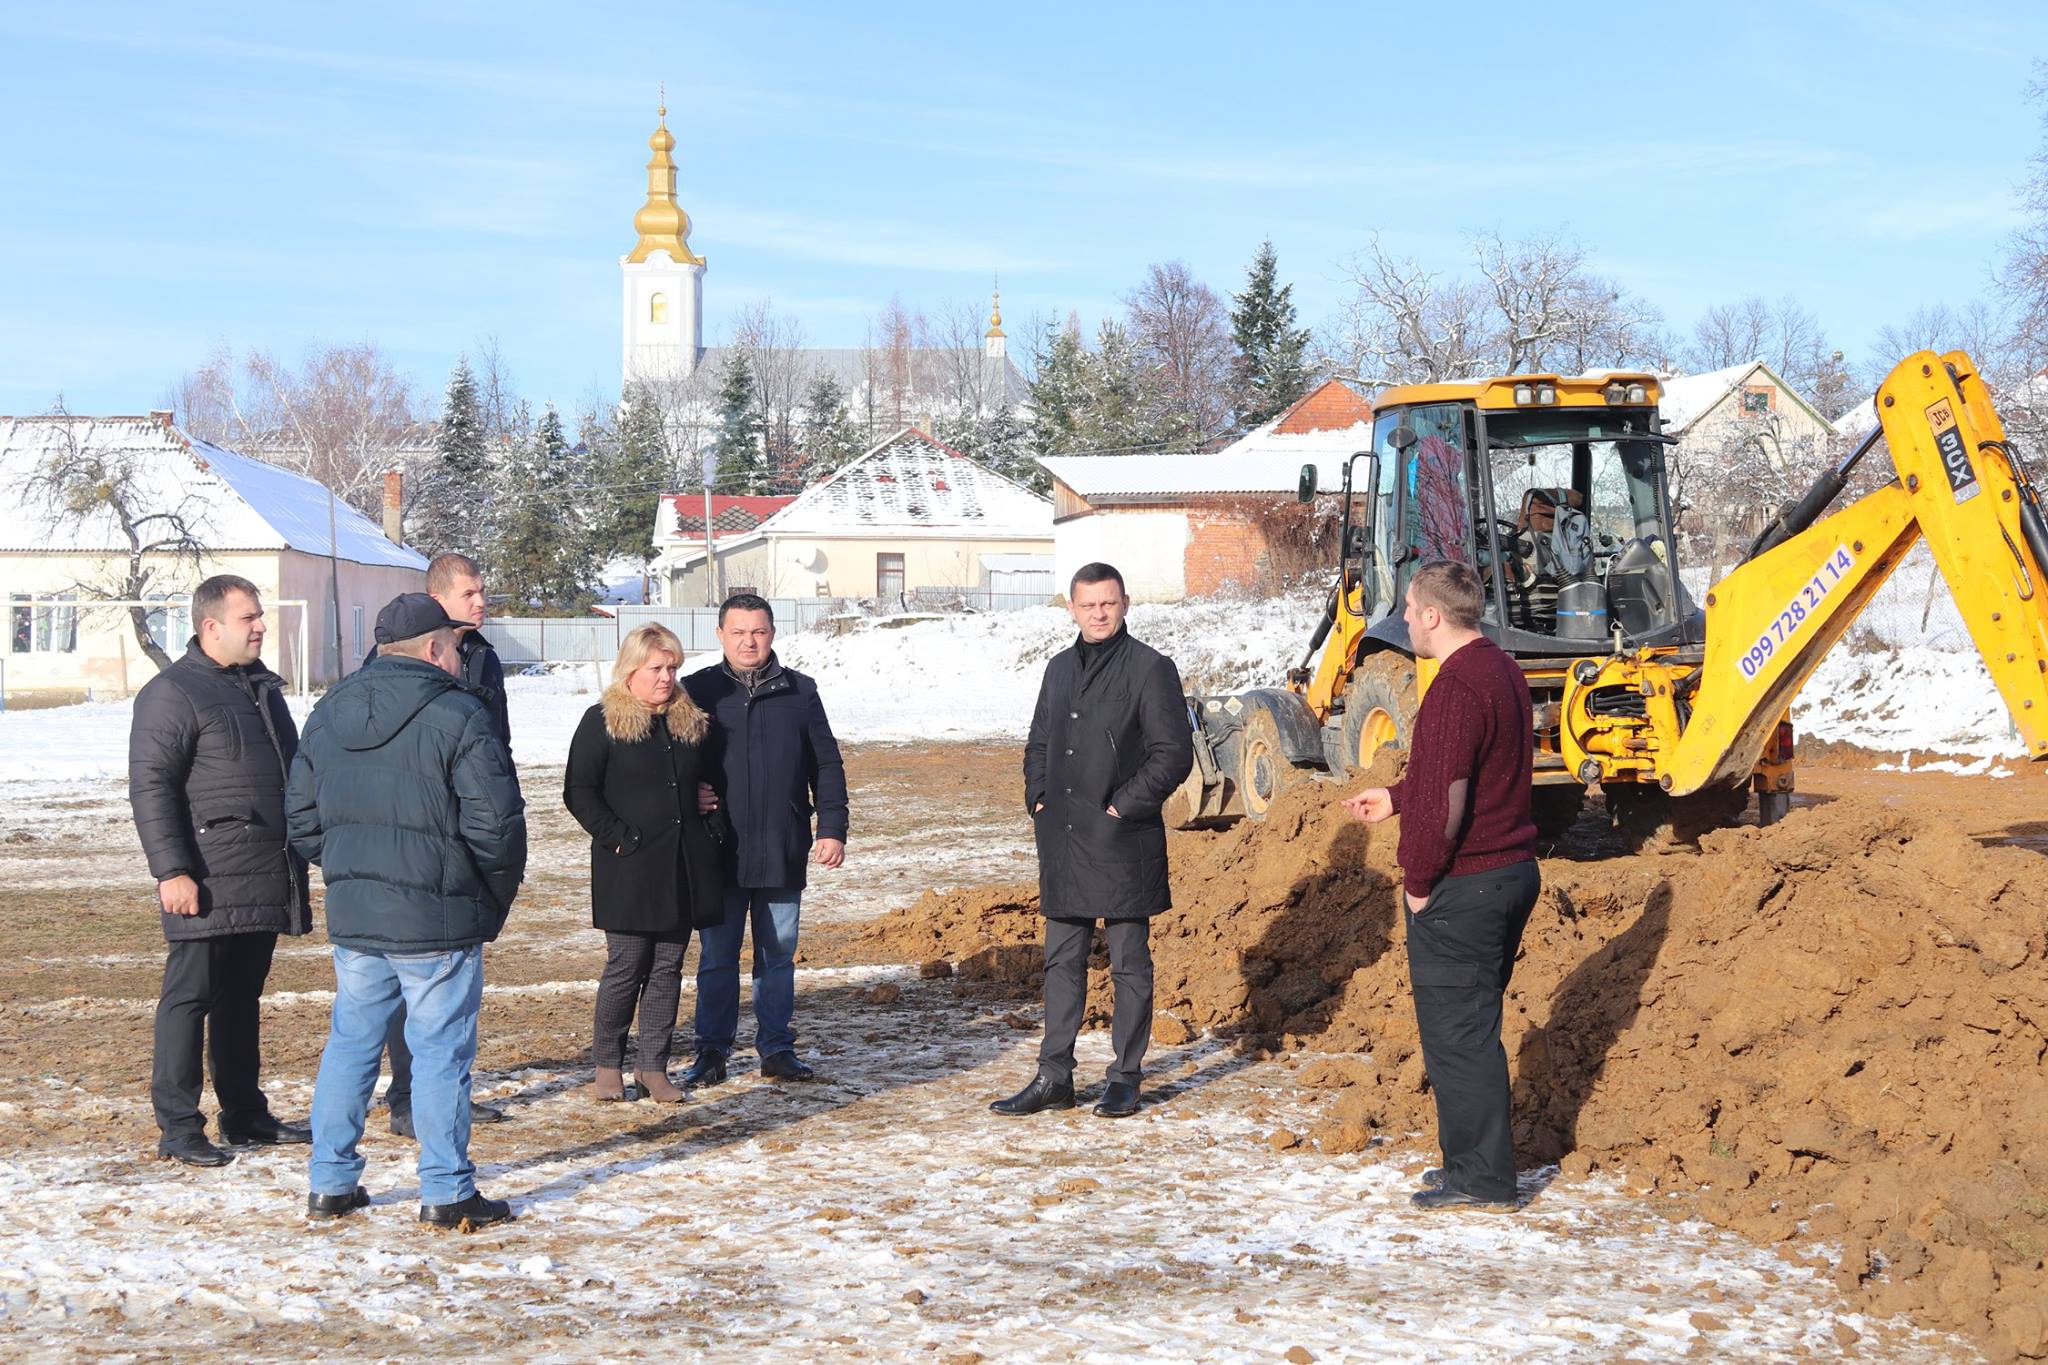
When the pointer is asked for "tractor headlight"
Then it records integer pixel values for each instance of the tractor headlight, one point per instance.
(1524, 395)
(1638, 394)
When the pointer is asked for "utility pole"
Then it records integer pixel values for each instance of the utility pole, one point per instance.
(334, 571)
(712, 569)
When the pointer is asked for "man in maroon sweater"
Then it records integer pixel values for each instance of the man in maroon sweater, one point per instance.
(1468, 867)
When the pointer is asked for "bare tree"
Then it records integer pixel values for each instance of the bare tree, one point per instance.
(105, 489)
(774, 343)
(1785, 336)
(1530, 306)
(1182, 330)
(1408, 325)
(344, 416)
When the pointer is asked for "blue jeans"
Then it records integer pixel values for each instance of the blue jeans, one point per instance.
(774, 914)
(442, 993)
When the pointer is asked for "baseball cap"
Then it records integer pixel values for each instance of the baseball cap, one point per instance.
(410, 614)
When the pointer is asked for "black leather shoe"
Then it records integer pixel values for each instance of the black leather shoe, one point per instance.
(473, 1212)
(786, 1066)
(267, 1132)
(1442, 1198)
(193, 1149)
(1119, 1101)
(1043, 1093)
(1433, 1178)
(707, 1069)
(337, 1205)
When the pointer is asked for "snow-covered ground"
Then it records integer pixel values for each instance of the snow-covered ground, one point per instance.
(975, 678)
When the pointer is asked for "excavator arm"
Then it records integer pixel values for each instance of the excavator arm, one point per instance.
(1773, 619)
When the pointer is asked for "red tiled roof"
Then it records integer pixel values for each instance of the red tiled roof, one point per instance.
(731, 514)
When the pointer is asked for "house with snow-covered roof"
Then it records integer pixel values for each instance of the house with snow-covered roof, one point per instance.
(243, 516)
(1707, 411)
(1179, 526)
(910, 517)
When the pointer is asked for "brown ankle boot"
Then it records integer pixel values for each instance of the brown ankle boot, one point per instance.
(610, 1086)
(658, 1087)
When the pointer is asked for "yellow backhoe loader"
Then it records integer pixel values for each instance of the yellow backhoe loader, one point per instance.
(1553, 489)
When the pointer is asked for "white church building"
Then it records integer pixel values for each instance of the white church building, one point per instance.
(886, 388)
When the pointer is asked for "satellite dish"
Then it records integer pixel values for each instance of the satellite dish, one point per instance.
(809, 558)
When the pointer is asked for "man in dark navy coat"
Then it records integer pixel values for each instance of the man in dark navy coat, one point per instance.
(774, 764)
(1109, 743)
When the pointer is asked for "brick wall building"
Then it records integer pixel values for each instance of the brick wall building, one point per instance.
(1180, 526)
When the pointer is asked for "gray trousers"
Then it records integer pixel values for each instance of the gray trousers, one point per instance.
(644, 970)
(1067, 942)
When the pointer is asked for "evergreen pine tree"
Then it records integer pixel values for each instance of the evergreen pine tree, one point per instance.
(741, 467)
(545, 556)
(451, 510)
(1059, 389)
(630, 467)
(1272, 365)
(832, 438)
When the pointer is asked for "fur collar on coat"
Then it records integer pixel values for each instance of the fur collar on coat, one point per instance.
(629, 720)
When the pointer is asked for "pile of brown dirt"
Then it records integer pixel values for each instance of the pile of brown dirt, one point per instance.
(1832, 1029)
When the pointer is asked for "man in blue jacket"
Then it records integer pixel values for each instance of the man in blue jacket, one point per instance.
(404, 794)
(774, 763)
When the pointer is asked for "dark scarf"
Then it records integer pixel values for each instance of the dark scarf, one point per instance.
(1095, 654)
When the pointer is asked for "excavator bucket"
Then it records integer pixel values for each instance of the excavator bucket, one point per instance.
(1970, 493)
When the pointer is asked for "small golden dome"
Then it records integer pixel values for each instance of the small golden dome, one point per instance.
(661, 222)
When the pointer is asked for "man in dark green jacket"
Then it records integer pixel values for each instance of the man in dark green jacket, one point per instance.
(404, 794)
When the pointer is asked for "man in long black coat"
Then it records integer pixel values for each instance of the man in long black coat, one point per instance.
(208, 753)
(1109, 743)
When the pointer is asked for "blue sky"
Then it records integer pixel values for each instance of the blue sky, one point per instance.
(425, 175)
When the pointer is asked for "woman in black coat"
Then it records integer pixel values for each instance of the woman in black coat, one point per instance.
(634, 767)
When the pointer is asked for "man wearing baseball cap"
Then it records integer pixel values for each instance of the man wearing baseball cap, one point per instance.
(403, 793)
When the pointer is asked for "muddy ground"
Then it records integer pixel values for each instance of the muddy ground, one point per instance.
(881, 1213)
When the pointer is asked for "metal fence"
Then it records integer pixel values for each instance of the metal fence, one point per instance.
(972, 599)
(523, 640)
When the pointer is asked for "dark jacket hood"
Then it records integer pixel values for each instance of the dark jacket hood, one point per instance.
(368, 708)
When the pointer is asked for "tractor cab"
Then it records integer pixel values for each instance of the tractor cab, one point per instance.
(1552, 488)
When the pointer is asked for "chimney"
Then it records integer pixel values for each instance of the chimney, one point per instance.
(394, 490)
(161, 416)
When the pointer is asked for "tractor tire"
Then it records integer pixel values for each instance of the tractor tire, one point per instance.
(1263, 768)
(1556, 809)
(1379, 708)
(1652, 822)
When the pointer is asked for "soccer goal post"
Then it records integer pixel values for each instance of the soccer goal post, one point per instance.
(88, 643)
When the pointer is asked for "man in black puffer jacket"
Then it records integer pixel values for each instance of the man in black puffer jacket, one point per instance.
(405, 796)
(208, 752)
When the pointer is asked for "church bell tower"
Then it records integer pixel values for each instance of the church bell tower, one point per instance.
(663, 279)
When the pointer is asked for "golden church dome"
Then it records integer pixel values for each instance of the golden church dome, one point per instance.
(661, 222)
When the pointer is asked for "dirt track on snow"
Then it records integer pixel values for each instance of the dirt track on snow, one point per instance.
(1825, 1038)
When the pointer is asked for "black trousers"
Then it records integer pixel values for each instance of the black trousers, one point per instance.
(643, 970)
(1461, 952)
(1067, 942)
(210, 1007)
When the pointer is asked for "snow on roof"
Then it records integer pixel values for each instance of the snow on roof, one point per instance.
(1262, 461)
(238, 503)
(912, 485)
(1688, 397)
